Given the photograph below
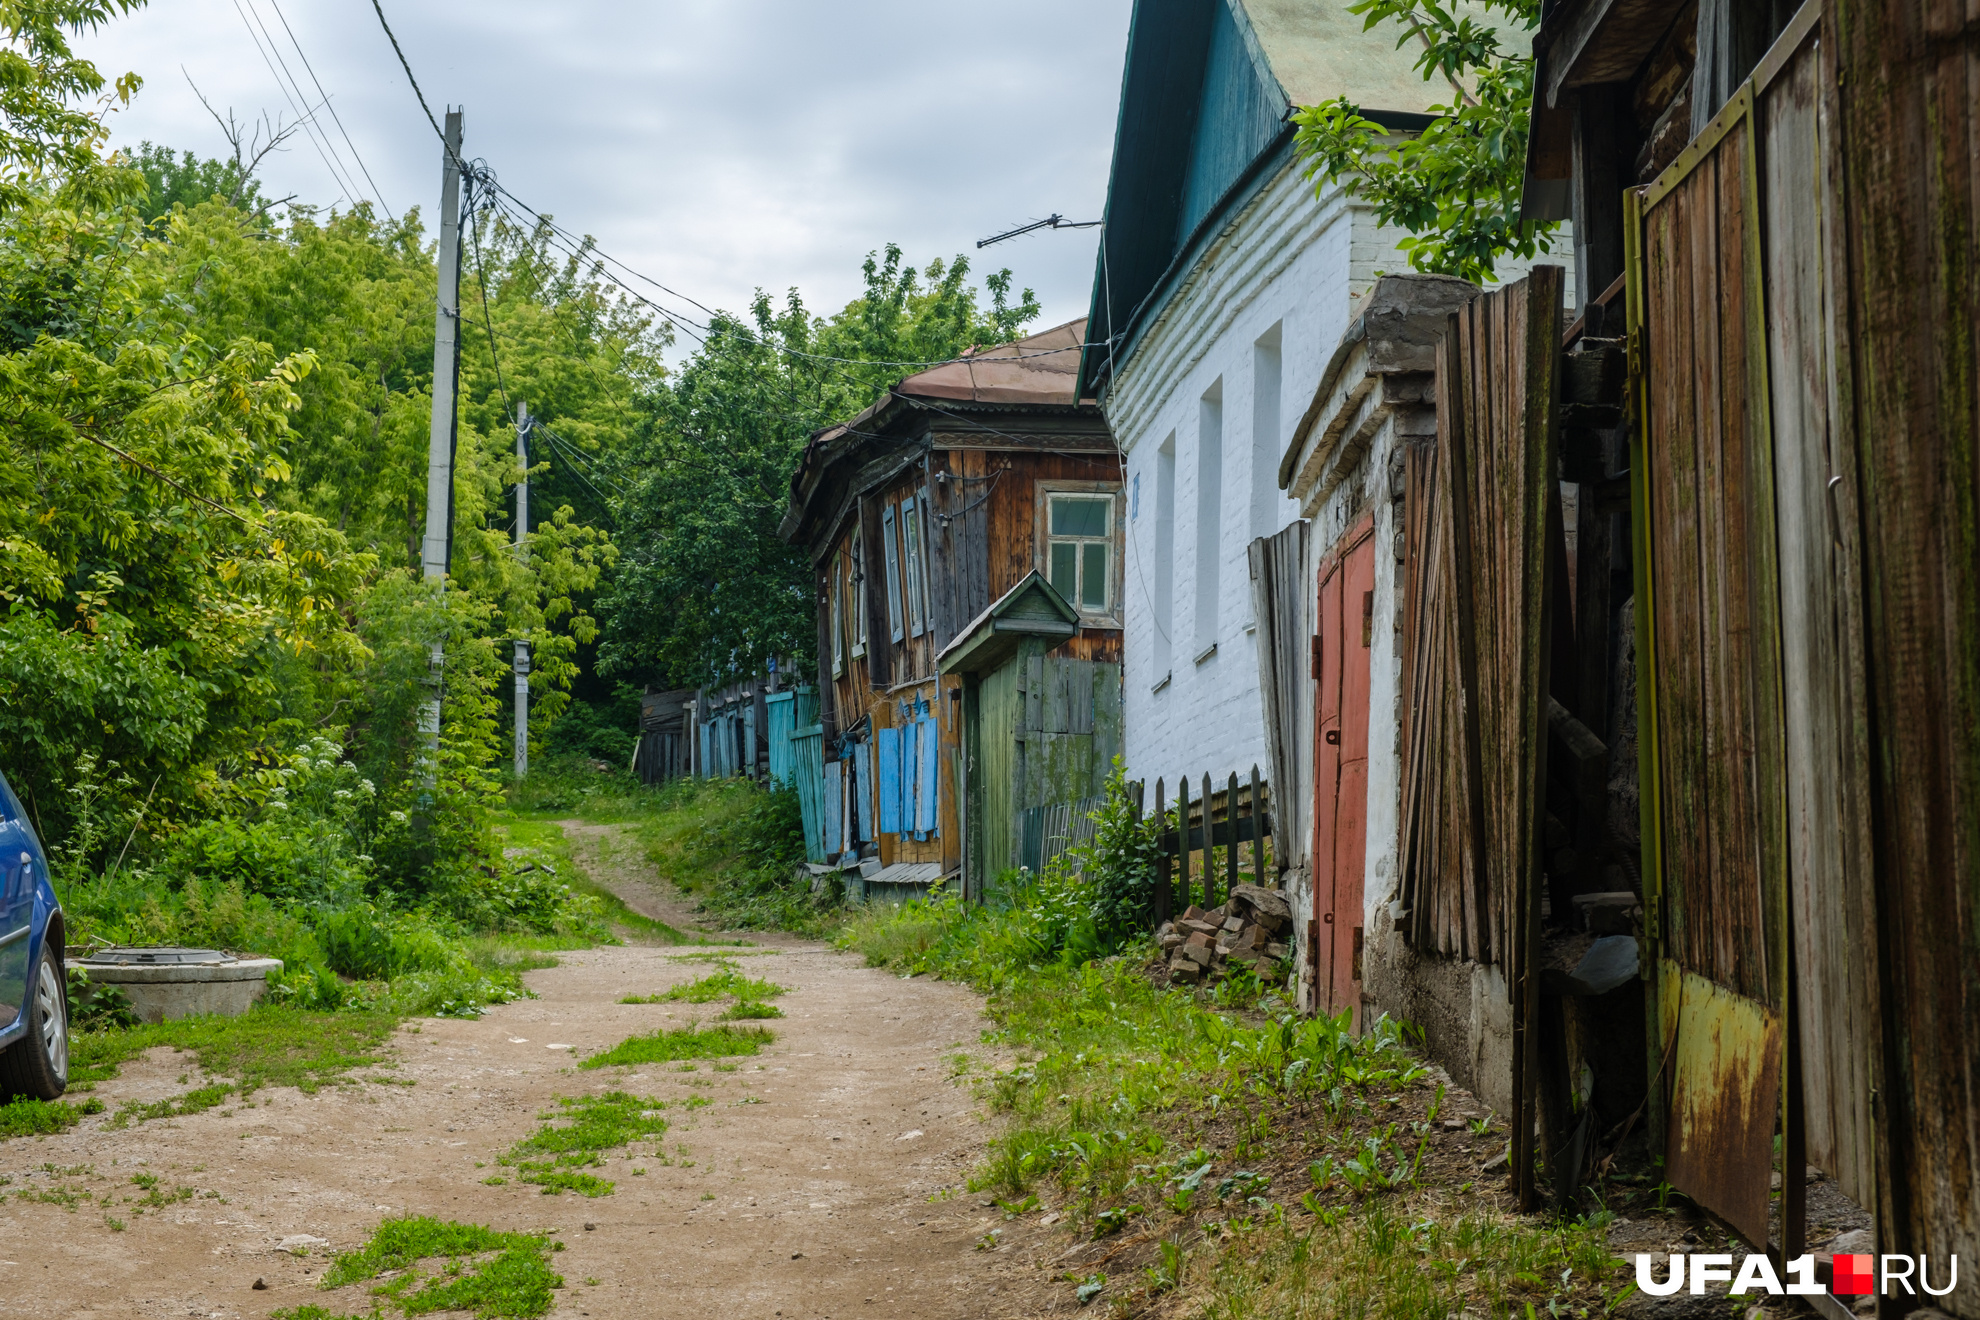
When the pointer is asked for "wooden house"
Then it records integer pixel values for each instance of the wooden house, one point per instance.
(924, 515)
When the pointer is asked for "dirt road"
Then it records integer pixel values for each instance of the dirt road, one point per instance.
(823, 1178)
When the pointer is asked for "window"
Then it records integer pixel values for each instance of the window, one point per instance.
(857, 596)
(1079, 549)
(917, 595)
(1165, 555)
(890, 552)
(1077, 526)
(1267, 372)
(834, 606)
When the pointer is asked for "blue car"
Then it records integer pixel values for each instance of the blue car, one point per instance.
(34, 998)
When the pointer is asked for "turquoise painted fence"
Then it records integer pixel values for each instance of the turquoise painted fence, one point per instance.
(797, 757)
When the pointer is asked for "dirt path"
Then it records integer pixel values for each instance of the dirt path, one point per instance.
(823, 1179)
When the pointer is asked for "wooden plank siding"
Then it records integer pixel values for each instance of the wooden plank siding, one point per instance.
(1905, 95)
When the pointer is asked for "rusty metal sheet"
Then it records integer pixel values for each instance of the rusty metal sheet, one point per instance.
(1724, 1096)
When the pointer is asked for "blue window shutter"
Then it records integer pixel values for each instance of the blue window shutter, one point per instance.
(929, 817)
(863, 790)
(909, 778)
(834, 792)
(889, 781)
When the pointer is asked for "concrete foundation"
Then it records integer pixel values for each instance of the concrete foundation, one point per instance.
(168, 983)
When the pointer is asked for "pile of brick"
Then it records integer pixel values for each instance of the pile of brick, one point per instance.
(1250, 929)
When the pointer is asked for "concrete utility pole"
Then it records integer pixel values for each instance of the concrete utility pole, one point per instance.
(522, 554)
(437, 549)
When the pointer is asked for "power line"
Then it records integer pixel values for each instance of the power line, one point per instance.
(309, 130)
(580, 248)
(396, 50)
(375, 189)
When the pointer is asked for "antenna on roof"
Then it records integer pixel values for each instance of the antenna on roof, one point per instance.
(1049, 222)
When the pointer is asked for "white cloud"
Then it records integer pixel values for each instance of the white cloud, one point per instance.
(717, 145)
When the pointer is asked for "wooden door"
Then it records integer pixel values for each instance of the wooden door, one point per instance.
(1708, 634)
(1346, 621)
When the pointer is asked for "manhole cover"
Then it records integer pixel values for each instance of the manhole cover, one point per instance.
(158, 957)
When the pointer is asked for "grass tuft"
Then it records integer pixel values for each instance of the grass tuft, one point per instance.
(483, 1272)
(746, 1010)
(575, 1136)
(689, 1042)
(724, 983)
(27, 1117)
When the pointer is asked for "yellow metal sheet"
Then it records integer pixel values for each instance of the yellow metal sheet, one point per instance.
(1724, 1097)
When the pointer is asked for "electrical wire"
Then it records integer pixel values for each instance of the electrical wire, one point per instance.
(376, 191)
(678, 319)
(271, 56)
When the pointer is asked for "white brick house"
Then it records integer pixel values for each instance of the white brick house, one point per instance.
(1224, 285)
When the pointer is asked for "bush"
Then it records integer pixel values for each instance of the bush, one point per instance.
(604, 731)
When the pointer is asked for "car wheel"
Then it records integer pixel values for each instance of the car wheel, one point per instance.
(37, 1064)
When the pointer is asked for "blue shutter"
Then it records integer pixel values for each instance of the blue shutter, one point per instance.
(909, 778)
(889, 782)
(928, 817)
(834, 817)
(863, 790)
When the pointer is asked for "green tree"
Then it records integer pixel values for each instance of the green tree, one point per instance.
(704, 589)
(43, 135)
(1455, 186)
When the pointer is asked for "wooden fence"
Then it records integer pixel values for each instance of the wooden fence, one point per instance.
(1227, 818)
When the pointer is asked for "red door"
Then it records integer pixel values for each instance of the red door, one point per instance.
(1340, 818)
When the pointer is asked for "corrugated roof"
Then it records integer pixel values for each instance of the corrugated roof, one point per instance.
(1041, 369)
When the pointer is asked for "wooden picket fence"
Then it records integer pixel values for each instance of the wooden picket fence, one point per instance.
(1227, 818)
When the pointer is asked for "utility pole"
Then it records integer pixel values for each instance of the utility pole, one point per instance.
(436, 551)
(522, 554)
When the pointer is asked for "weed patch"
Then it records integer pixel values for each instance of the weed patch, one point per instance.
(271, 1046)
(727, 982)
(575, 1136)
(26, 1117)
(749, 1010)
(480, 1271)
(1224, 1156)
(689, 1042)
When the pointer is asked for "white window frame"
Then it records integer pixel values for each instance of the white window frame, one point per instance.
(1110, 617)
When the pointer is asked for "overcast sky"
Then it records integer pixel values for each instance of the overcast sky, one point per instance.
(716, 145)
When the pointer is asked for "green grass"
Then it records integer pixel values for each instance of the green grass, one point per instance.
(26, 1117)
(724, 983)
(547, 837)
(575, 1136)
(480, 1271)
(1256, 1163)
(192, 1102)
(738, 850)
(271, 1046)
(689, 1042)
(747, 1010)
